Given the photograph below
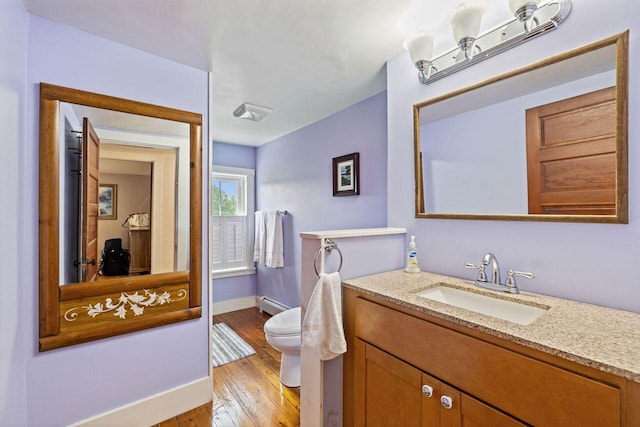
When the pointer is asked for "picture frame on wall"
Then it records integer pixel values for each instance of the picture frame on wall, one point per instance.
(346, 175)
(108, 201)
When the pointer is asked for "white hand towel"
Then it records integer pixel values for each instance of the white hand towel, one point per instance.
(259, 250)
(322, 324)
(274, 256)
(268, 247)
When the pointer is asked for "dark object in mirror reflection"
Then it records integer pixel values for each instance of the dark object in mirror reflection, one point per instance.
(115, 260)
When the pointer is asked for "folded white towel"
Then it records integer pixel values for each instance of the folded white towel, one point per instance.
(322, 324)
(268, 243)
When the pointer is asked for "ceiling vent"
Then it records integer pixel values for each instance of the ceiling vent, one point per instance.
(251, 112)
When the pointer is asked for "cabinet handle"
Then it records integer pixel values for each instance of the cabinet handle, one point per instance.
(447, 402)
(427, 390)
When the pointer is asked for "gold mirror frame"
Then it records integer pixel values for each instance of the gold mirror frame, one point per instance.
(82, 312)
(621, 41)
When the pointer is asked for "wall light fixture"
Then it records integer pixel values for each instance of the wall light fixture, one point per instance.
(531, 18)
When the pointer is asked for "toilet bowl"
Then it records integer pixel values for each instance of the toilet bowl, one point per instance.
(282, 332)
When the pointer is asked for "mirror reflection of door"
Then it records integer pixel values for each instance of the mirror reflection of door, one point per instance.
(571, 155)
(134, 182)
(150, 187)
(154, 154)
(90, 181)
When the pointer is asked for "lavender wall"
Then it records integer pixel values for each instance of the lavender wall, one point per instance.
(237, 156)
(77, 382)
(240, 157)
(16, 256)
(294, 174)
(586, 262)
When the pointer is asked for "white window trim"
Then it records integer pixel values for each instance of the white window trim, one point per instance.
(233, 273)
(250, 208)
(232, 177)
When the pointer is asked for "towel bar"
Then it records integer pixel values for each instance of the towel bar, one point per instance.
(328, 246)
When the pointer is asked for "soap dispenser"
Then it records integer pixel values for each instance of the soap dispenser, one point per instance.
(412, 257)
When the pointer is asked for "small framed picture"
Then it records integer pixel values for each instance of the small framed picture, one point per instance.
(108, 201)
(346, 175)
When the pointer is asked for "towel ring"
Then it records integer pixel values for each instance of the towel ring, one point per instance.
(328, 246)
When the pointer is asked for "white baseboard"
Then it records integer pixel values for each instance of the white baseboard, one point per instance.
(234, 305)
(155, 409)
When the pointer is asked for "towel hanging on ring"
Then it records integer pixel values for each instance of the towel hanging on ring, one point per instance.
(322, 328)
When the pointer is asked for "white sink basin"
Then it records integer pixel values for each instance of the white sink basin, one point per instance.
(521, 314)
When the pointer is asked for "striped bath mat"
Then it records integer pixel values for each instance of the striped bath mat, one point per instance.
(228, 346)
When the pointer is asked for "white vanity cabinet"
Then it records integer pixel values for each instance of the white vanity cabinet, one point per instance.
(395, 351)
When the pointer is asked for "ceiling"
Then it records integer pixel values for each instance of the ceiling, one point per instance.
(305, 59)
(132, 123)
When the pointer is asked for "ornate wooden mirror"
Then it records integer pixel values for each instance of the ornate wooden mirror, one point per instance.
(155, 213)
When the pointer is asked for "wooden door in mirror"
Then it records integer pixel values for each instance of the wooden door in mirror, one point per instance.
(571, 155)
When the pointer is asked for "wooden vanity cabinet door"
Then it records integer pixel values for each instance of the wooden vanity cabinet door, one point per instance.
(431, 404)
(388, 390)
(450, 416)
(477, 414)
(465, 411)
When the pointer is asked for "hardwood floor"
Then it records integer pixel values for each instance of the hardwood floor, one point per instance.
(246, 392)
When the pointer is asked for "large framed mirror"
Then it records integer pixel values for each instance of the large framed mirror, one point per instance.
(120, 213)
(547, 142)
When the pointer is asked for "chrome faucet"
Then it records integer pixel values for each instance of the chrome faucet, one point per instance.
(508, 286)
(495, 269)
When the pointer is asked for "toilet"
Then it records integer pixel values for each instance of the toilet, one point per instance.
(282, 331)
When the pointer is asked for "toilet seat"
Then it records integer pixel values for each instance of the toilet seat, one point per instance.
(286, 323)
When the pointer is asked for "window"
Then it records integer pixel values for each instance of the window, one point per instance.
(232, 196)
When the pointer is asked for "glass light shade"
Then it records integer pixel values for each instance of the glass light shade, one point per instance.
(420, 45)
(514, 5)
(465, 20)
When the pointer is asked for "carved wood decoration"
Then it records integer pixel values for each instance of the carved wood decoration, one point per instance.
(90, 312)
(81, 312)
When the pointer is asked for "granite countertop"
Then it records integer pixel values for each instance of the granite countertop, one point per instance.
(603, 338)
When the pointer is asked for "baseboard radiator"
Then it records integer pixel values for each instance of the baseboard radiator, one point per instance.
(266, 304)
